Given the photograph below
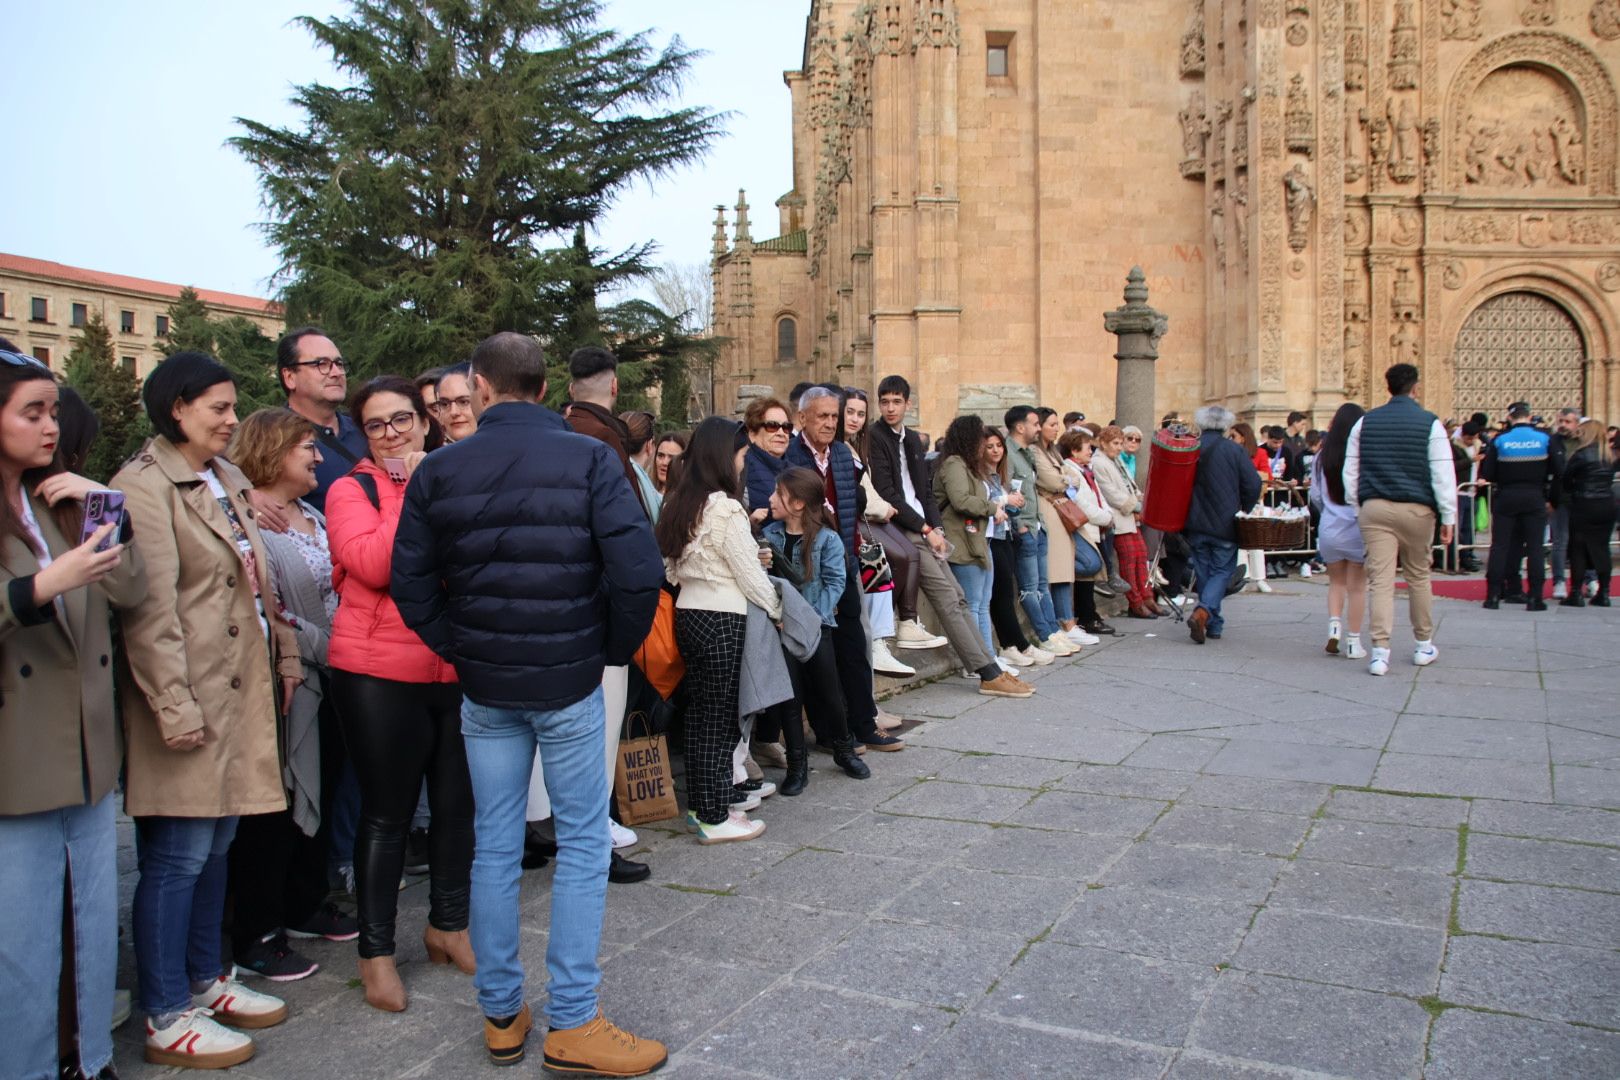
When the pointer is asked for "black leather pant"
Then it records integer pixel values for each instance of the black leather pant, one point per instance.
(398, 733)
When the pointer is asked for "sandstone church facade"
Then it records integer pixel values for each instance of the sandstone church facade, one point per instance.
(1315, 188)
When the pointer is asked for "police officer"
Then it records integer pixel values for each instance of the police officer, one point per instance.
(1524, 462)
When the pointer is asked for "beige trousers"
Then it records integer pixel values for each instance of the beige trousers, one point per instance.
(1398, 533)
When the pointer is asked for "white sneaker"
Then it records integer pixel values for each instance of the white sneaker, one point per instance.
(1078, 636)
(750, 803)
(736, 827)
(884, 663)
(1425, 654)
(1353, 647)
(1560, 591)
(1007, 666)
(911, 634)
(622, 837)
(236, 1005)
(1014, 657)
(1304, 570)
(1590, 589)
(1058, 645)
(1038, 656)
(966, 674)
(195, 1041)
(1263, 585)
(1334, 633)
(1379, 664)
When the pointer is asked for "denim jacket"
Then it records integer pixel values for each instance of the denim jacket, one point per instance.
(824, 589)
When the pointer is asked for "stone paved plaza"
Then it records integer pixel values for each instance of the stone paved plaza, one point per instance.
(1242, 860)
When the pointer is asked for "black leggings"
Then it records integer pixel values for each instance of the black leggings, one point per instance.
(1590, 523)
(1085, 603)
(398, 733)
(1004, 596)
(816, 686)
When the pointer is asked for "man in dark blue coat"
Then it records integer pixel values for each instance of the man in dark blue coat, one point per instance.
(1227, 483)
(524, 558)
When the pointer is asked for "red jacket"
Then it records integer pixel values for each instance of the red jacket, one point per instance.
(368, 636)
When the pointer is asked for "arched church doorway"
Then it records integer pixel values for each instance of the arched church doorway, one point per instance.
(1518, 346)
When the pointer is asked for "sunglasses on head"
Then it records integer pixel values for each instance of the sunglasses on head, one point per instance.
(17, 359)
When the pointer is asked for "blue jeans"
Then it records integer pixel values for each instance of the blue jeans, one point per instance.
(37, 851)
(976, 581)
(1063, 601)
(179, 906)
(500, 753)
(1033, 591)
(1214, 561)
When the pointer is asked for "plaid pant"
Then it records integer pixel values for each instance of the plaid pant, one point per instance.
(1133, 566)
(711, 643)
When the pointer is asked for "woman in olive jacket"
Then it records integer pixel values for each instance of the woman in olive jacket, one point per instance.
(200, 692)
(966, 512)
(58, 741)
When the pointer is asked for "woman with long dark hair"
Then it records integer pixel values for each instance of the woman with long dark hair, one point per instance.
(710, 553)
(1016, 649)
(967, 513)
(877, 524)
(1338, 539)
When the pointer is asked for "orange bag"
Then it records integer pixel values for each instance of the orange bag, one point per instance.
(659, 658)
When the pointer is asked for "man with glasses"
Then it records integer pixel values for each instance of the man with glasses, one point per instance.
(455, 404)
(315, 379)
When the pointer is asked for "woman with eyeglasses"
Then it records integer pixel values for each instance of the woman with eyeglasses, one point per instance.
(59, 745)
(454, 403)
(398, 701)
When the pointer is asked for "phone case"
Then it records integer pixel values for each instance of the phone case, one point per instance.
(101, 507)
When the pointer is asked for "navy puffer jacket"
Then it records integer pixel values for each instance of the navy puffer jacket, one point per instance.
(846, 481)
(524, 558)
(761, 471)
(1227, 482)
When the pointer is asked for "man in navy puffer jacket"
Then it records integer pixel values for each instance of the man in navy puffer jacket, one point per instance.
(1227, 482)
(524, 558)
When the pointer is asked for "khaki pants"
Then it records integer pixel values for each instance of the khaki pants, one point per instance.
(1401, 532)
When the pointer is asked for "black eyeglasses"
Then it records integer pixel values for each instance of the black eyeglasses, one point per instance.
(774, 426)
(17, 359)
(323, 364)
(400, 423)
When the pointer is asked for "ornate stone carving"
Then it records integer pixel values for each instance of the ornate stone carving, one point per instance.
(1538, 12)
(1355, 227)
(889, 29)
(1240, 129)
(1240, 215)
(936, 26)
(1403, 48)
(1403, 343)
(1297, 121)
(1604, 19)
(1459, 20)
(1217, 225)
(1584, 229)
(1512, 70)
(1480, 228)
(1192, 42)
(1608, 277)
(1403, 161)
(1407, 228)
(1431, 154)
(1378, 141)
(1453, 275)
(1355, 47)
(1355, 359)
(1194, 132)
(1354, 137)
(1299, 22)
(1300, 201)
(1404, 295)
(1217, 139)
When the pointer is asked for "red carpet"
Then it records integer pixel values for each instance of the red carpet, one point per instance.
(1465, 588)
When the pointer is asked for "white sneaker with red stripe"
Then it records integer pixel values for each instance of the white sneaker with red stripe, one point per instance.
(195, 1041)
(236, 1005)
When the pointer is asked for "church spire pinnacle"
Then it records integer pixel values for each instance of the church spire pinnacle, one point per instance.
(743, 235)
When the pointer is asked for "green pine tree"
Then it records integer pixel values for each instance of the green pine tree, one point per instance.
(441, 195)
(190, 327)
(235, 341)
(115, 395)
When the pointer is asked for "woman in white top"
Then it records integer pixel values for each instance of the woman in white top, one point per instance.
(711, 555)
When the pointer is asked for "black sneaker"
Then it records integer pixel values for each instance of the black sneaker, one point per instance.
(273, 958)
(328, 922)
(416, 852)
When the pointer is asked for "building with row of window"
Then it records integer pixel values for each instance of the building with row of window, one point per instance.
(44, 305)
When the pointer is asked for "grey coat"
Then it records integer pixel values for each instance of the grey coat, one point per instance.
(765, 681)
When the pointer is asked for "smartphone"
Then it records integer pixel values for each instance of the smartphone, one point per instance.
(101, 507)
(396, 469)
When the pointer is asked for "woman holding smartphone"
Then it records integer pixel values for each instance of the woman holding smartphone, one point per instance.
(398, 701)
(59, 751)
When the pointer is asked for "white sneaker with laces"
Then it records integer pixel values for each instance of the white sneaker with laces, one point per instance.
(1058, 645)
(234, 1004)
(196, 1041)
(1560, 591)
(884, 663)
(736, 827)
(1425, 654)
(1012, 656)
(750, 803)
(911, 634)
(1038, 656)
(622, 837)
(1007, 666)
(1379, 664)
(1353, 649)
(1078, 636)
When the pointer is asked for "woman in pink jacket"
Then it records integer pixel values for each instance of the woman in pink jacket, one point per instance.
(399, 702)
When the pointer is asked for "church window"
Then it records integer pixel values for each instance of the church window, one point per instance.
(787, 340)
(998, 56)
(995, 61)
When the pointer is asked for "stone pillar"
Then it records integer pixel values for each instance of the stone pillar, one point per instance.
(1139, 328)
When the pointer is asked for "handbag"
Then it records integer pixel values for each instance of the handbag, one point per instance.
(659, 657)
(876, 573)
(1068, 511)
(643, 784)
(1087, 559)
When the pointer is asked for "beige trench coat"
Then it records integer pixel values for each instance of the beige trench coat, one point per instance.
(1059, 548)
(59, 740)
(196, 657)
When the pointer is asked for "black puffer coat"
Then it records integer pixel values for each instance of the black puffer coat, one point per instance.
(524, 558)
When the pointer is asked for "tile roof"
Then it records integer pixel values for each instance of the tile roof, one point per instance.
(22, 264)
(797, 243)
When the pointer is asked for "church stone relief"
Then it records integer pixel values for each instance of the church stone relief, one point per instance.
(1240, 129)
(1299, 23)
(1192, 43)
(1538, 12)
(1604, 19)
(936, 26)
(1459, 20)
(1300, 200)
(1403, 158)
(1354, 166)
(1240, 215)
(1355, 47)
(1297, 122)
(1522, 131)
(1403, 48)
(1194, 132)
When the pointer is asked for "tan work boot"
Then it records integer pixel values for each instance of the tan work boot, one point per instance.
(505, 1044)
(601, 1049)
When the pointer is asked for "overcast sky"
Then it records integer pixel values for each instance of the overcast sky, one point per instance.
(117, 114)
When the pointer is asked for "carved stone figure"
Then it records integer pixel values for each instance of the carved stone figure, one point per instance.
(1240, 215)
(1403, 163)
(1194, 130)
(1355, 47)
(1354, 166)
(1538, 13)
(1301, 202)
(1192, 43)
(1452, 275)
(1403, 344)
(1299, 22)
(1403, 48)
(1604, 18)
(1407, 228)
(1431, 154)
(1480, 151)
(1608, 277)
(1459, 20)
(1355, 359)
(1570, 150)
(1217, 227)
(1297, 118)
(1240, 129)
(1378, 140)
(1217, 142)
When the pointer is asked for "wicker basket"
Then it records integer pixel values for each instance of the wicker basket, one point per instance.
(1273, 534)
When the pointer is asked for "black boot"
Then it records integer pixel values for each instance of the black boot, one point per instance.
(621, 871)
(845, 758)
(1574, 599)
(798, 771)
(1492, 602)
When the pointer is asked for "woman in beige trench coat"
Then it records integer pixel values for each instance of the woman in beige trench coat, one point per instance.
(203, 653)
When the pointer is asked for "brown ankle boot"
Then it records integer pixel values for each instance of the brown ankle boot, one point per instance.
(383, 989)
(601, 1049)
(505, 1044)
(450, 947)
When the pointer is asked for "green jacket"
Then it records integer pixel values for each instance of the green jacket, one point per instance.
(965, 510)
(1021, 464)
